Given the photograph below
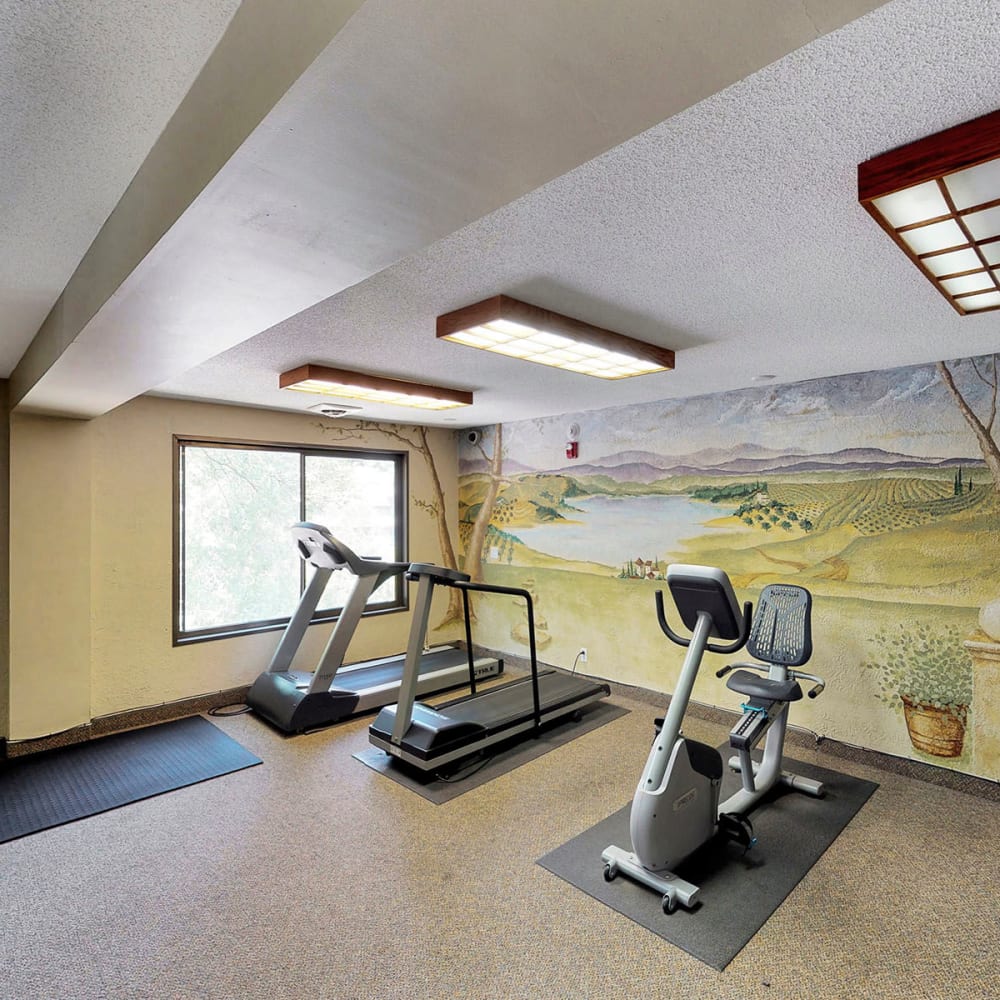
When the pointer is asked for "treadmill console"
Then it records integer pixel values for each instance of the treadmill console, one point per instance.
(439, 574)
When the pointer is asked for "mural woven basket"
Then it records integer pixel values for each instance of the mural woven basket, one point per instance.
(933, 730)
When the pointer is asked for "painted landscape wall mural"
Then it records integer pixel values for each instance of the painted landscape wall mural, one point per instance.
(878, 492)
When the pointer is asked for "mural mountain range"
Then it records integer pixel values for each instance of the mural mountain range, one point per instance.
(741, 459)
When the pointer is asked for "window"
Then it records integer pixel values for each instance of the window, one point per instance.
(236, 566)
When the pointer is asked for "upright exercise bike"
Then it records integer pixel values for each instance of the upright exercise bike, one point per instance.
(676, 805)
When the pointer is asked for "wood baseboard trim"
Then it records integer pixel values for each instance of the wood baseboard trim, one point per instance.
(132, 719)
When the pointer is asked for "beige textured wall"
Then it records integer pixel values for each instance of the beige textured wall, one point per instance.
(50, 553)
(94, 637)
(4, 559)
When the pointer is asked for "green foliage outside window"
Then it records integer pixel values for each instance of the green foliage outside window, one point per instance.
(238, 564)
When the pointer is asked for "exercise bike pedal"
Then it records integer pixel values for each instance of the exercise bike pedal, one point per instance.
(738, 829)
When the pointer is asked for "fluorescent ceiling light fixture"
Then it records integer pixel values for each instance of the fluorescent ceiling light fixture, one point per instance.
(373, 388)
(939, 200)
(518, 330)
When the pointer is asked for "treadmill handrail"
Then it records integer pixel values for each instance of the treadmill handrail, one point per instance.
(326, 554)
(490, 588)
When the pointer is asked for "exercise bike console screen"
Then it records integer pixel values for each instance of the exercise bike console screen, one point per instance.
(697, 589)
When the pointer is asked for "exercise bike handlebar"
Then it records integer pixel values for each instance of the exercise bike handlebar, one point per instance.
(819, 685)
(733, 647)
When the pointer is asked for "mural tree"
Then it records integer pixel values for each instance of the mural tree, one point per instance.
(983, 430)
(416, 438)
(477, 538)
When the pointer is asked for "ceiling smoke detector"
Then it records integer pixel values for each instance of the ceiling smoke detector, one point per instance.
(334, 410)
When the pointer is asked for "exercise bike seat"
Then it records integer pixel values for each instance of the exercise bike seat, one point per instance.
(753, 686)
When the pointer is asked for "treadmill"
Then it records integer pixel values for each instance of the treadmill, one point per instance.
(295, 700)
(428, 738)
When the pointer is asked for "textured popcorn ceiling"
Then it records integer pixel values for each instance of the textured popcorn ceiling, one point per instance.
(86, 88)
(396, 181)
(730, 232)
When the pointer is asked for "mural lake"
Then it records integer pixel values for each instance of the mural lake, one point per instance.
(613, 530)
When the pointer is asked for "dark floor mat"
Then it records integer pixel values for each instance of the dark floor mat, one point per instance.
(499, 759)
(47, 789)
(738, 892)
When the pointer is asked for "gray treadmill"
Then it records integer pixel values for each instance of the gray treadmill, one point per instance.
(295, 700)
(428, 738)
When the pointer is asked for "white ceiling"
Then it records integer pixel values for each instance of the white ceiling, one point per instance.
(85, 90)
(682, 172)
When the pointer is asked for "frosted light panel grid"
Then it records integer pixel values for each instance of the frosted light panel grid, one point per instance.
(371, 388)
(505, 337)
(939, 200)
(529, 333)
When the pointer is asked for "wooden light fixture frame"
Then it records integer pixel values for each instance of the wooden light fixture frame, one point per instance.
(967, 145)
(504, 307)
(341, 376)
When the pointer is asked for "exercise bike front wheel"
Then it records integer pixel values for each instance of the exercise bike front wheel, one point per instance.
(669, 903)
(610, 872)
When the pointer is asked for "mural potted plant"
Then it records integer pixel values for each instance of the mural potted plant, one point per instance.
(927, 676)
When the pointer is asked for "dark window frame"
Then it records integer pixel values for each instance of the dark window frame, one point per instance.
(400, 600)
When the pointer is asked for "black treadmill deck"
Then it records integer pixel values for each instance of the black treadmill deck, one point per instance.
(466, 723)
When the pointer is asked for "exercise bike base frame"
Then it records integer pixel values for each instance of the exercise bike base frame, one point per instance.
(787, 778)
(672, 887)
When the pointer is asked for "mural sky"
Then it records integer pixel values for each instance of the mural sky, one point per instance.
(823, 415)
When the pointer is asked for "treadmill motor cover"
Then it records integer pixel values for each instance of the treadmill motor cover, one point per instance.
(430, 733)
(276, 697)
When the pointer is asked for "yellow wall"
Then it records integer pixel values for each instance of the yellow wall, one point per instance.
(92, 559)
(50, 554)
(4, 550)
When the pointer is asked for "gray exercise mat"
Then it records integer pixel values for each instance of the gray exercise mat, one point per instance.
(58, 786)
(738, 892)
(503, 757)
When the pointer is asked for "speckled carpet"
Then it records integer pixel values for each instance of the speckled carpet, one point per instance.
(314, 877)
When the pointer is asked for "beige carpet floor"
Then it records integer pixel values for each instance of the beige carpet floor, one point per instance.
(314, 876)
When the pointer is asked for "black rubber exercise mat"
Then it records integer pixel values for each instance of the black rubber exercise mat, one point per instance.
(738, 891)
(57, 786)
(495, 760)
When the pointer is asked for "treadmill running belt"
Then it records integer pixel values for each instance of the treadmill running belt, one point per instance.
(463, 725)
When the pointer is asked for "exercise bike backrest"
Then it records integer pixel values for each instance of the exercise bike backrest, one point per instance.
(701, 590)
(782, 631)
